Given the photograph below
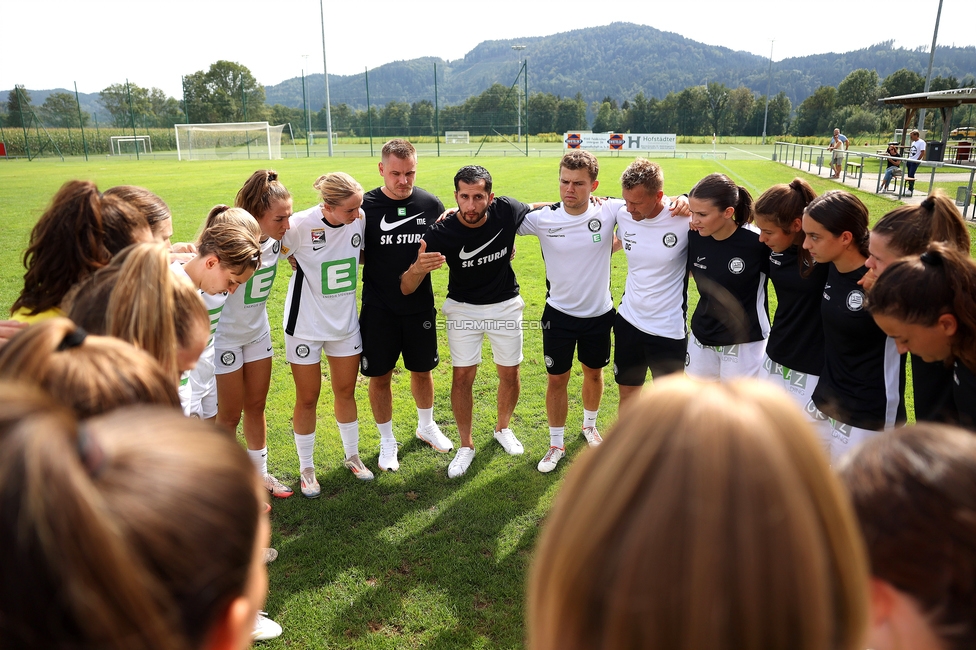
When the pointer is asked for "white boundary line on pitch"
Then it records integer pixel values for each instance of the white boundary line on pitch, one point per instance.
(750, 153)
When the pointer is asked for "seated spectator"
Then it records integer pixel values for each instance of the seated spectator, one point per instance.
(914, 492)
(138, 530)
(894, 165)
(708, 518)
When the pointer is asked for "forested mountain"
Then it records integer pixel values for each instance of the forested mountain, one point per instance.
(617, 60)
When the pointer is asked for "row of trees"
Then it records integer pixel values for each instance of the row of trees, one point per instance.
(853, 105)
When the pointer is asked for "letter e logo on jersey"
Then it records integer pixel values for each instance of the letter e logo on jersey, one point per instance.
(339, 276)
(258, 288)
(670, 240)
(855, 300)
(737, 265)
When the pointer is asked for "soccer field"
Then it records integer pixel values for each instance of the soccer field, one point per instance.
(412, 559)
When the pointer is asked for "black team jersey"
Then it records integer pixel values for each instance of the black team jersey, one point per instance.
(796, 339)
(731, 279)
(964, 392)
(862, 380)
(480, 258)
(392, 236)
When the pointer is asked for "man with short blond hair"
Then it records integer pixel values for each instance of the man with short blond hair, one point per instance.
(392, 324)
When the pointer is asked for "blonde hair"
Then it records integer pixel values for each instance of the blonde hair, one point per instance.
(137, 298)
(232, 236)
(136, 564)
(336, 187)
(643, 173)
(91, 374)
(709, 518)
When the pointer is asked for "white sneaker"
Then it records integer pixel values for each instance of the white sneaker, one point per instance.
(509, 442)
(357, 468)
(265, 628)
(431, 434)
(461, 463)
(592, 436)
(310, 484)
(552, 457)
(388, 461)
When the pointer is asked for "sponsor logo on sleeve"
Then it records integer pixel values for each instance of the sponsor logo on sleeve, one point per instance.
(318, 238)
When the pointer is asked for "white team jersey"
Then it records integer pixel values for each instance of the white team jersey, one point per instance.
(657, 276)
(321, 301)
(577, 251)
(244, 319)
(202, 375)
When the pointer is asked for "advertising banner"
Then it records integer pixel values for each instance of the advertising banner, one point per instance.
(621, 141)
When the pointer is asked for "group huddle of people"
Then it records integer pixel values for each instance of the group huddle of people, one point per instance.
(117, 327)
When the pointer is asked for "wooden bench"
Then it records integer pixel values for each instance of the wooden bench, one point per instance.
(853, 168)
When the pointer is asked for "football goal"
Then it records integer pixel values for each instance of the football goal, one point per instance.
(228, 141)
(132, 144)
(456, 137)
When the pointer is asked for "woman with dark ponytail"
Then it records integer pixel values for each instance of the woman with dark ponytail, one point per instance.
(927, 304)
(730, 265)
(242, 342)
(908, 230)
(861, 385)
(794, 351)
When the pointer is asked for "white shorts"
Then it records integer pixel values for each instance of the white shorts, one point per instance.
(724, 362)
(198, 393)
(837, 437)
(468, 324)
(303, 352)
(798, 384)
(232, 359)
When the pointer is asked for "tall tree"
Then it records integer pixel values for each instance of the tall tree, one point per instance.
(61, 110)
(224, 93)
(902, 82)
(542, 108)
(115, 99)
(14, 107)
(740, 110)
(422, 118)
(571, 114)
(859, 88)
(813, 115)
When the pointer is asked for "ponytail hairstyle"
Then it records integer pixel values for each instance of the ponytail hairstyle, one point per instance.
(917, 290)
(912, 490)
(336, 187)
(153, 208)
(839, 212)
(261, 190)
(782, 205)
(189, 311)
(78, 234)
(721, 191)
(910, 228)
(88, 373)
(233, 237)
(148, 565)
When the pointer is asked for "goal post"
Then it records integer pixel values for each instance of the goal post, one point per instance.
(228, 141)
(457, 137)
(115, 143)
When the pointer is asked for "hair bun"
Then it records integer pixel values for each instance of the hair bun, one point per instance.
(931, 258)
(928, 203)
(272, 176)
(72, 339)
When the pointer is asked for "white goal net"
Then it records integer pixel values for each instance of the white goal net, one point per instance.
(456, 137)
(229, 141)
(120, 144)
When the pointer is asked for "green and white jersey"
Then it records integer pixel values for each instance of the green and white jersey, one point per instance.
(202, 376)
(321, 301)
(244, 319)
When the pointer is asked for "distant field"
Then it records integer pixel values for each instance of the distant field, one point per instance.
(413, 559)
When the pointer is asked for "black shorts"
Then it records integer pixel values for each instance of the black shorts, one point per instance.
(561, 333)
(635, 352)
(386, 336)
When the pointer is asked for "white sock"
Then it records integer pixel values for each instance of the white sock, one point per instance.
(589, 418)
(349, 432)
(260, 459)
(386, 430)
(556, 436)
(425, 417)
(305, 444)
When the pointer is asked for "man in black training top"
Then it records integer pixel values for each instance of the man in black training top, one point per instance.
(482, 299)
(391, 323)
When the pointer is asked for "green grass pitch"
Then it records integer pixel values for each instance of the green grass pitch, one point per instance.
(412, 559)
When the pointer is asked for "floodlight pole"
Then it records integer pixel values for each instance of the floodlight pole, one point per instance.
(928, 77)
(328, 106)
(518, 91)
(769, 78)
